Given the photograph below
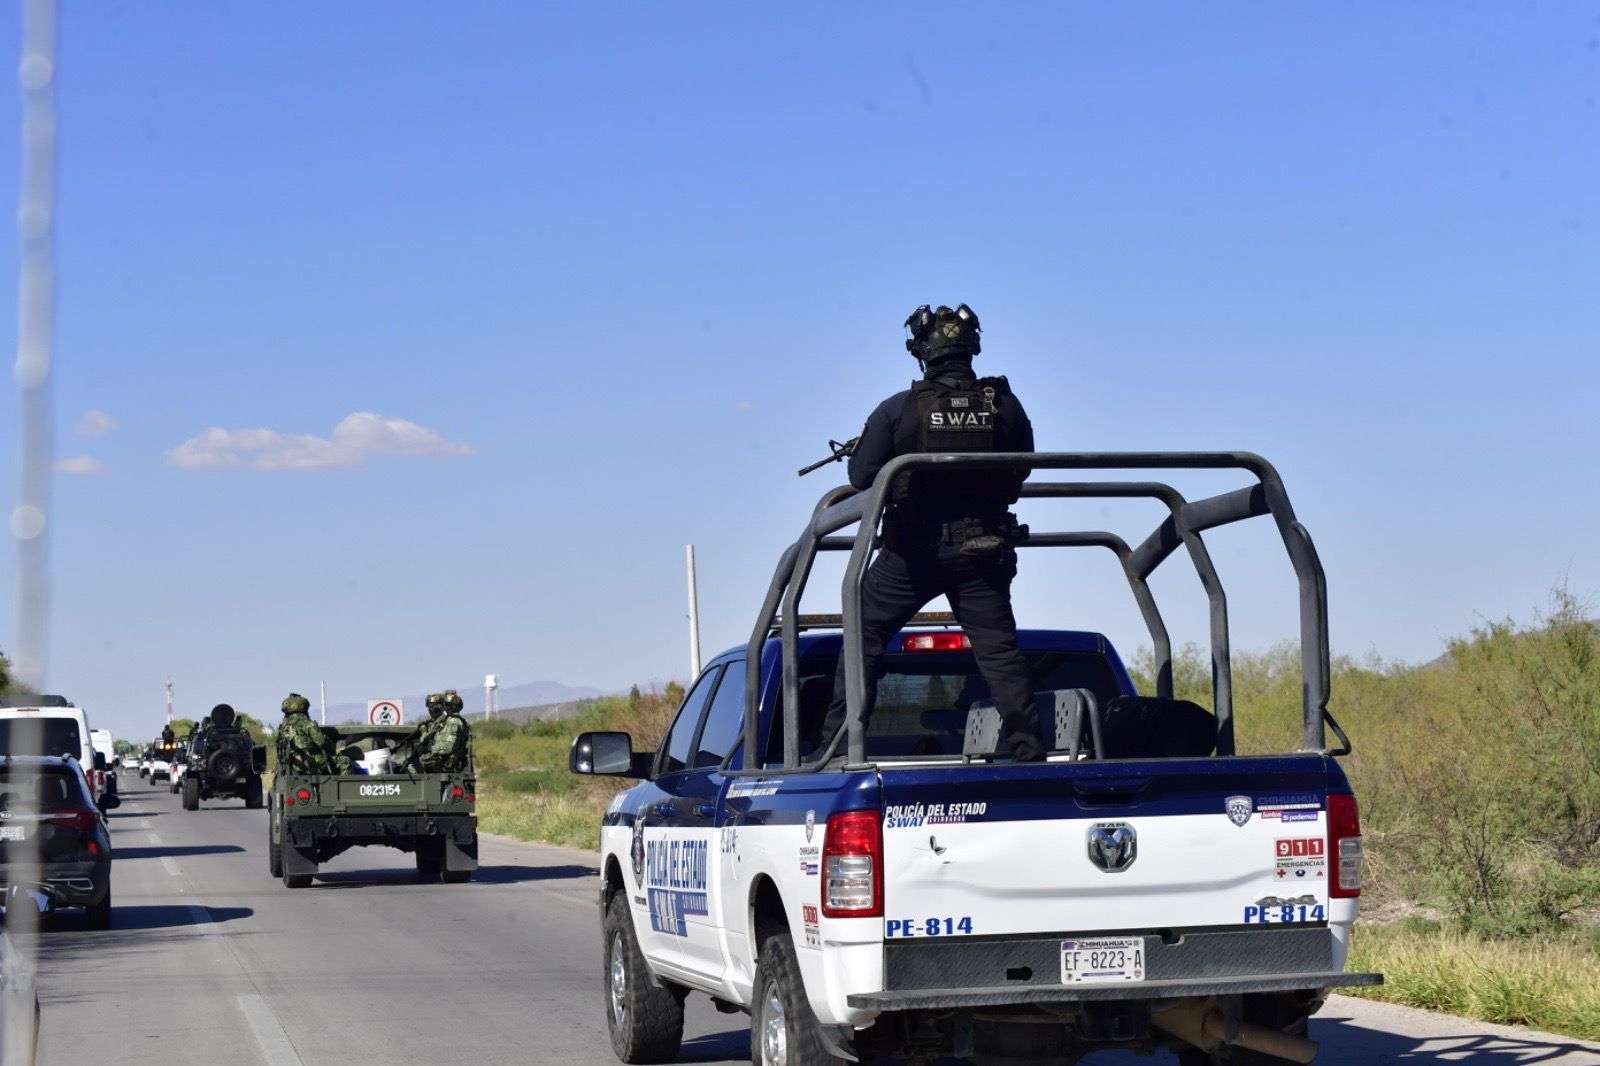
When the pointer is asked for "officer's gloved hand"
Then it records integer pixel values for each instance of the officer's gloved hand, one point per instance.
(1021, 747)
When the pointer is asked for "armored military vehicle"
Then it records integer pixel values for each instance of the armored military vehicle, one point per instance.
(315, 816)
(224, 761)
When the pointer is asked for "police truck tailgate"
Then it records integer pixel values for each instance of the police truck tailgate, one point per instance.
(1092, 848)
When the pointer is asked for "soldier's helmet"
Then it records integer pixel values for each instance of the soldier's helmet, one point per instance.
(294, 703)
(942, 333)
(452, 701)
(435, 704)
(223, 716)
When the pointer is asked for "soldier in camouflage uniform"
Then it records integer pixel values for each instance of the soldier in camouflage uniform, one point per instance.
(302, 745)
(409, 750)
(449, 744)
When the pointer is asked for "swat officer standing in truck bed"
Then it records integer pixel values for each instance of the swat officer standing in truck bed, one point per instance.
(948, 533)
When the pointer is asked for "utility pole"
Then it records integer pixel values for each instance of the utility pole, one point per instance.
(694, 618)
(169, 701)
(322, 688)
(490, 683)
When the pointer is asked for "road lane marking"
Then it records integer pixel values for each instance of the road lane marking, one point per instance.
(172, 867)
(270, 1037)
(155, 839)
(202, 919)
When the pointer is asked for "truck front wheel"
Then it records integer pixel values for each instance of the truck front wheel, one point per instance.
(783, 1029)
(191, 794)
(645, 1019)
(252, 794)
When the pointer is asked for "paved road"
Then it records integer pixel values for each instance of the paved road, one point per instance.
(212, 960)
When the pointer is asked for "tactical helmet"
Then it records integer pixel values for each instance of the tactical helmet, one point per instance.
(295, 703)
(452, 701)
(435, 704)
(940, 333)
(222, 716)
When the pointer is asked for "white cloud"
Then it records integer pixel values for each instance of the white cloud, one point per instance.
(356, 437)
(95, 424)
(80, 464)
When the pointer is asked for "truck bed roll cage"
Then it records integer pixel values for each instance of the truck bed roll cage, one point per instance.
(1186, 520)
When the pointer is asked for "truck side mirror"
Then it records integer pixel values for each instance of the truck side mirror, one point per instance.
(258, 759)
(108, 801)
(605, 753)
(100, 761)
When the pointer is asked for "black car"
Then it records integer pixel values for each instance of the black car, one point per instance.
(53, 837)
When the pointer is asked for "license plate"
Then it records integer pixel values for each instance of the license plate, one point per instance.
(1118, 958)
(13, 832)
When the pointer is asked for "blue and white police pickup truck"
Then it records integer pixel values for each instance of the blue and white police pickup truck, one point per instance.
(900, 891)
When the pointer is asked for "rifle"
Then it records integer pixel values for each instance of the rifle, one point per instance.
(839, 451)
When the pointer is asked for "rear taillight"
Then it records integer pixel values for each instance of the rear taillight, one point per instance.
(304, 795)
(1344, 846)
(456, 792)
(935, 642)
(852, 865)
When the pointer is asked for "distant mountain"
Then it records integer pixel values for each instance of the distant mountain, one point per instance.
(532, 694)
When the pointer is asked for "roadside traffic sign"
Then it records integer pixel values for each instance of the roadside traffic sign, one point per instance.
(385, 712)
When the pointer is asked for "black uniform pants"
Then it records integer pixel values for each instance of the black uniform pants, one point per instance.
(899, 584)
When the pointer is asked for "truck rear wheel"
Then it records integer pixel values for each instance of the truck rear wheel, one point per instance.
(430, 862)
(645, 1019)
(252, 794)
(783, 1029)
(191, 794)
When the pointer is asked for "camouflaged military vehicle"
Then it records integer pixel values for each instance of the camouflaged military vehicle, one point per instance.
(315, 816)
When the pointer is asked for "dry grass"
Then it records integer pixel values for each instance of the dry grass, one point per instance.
(1547, 983)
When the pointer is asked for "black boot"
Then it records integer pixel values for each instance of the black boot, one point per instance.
(1021, 746)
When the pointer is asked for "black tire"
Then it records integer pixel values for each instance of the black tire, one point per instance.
(191, 794)
(645, 1019)
(98, 916)
(274, 851)
(430, 863)
(252, 794)
(797, 1040)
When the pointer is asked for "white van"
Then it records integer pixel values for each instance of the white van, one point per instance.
(50, 725)
(105, 746)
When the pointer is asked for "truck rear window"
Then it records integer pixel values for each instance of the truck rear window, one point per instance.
(924, 697)
(40, 736)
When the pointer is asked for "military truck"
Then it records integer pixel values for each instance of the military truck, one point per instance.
(313, 817)
(224, 761)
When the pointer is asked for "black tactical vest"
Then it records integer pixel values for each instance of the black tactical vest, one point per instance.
(950, 418)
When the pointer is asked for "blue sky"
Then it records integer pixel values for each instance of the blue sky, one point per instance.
(630, 266)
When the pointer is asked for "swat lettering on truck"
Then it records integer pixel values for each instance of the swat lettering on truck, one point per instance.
(314, 817)
(899, 890)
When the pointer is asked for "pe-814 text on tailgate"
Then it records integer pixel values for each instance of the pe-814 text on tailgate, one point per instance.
(390, 789)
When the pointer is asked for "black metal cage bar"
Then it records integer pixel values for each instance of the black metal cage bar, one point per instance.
(843, 507)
